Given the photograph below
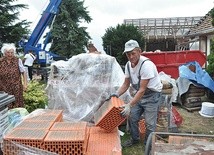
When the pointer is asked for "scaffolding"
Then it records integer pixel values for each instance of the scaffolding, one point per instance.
(166, 34)
(164, 28)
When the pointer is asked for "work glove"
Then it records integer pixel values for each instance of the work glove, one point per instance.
(126, 110)
(112, 95)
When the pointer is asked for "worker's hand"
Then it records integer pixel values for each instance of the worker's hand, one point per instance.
(112, 95)
(126, 110)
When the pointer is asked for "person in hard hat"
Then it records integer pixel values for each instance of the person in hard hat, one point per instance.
(12, 73)
(142, 75)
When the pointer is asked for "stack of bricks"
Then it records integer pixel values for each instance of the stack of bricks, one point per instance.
(67, 138)
(108, 115)
(47, 134)
(31, 132)
(142, 128)
(46, 125)
(48, 115)
(31, 137)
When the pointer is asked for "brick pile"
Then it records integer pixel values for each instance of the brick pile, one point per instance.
(67, 138)
(142, 128)
(31, 132)
(66, 142)
(49, 134)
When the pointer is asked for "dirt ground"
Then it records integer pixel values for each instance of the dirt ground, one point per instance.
(193, 122)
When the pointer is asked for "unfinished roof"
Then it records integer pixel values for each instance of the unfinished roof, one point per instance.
(164, 28)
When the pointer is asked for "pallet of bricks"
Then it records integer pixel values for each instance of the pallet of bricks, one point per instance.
(48, 134)
(194, 97)
(164, 113)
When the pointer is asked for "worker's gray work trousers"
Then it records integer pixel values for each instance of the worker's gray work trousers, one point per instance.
(148, 106)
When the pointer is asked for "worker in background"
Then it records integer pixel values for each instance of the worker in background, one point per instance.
(141, 74)
(92, 49)
(28, 62)
(12, 75)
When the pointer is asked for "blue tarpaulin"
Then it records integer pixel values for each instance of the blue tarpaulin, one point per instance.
(194, 72)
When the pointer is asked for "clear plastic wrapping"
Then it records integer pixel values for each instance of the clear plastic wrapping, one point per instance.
(80, 85)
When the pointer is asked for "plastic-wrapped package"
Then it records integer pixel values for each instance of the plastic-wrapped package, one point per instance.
(15, 117)
(80, 85)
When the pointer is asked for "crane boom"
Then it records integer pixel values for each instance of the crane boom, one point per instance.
(45, 20)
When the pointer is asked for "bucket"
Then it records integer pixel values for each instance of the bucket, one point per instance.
(207, 109)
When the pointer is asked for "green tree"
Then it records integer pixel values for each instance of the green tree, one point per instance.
(11, 28)
(210, 57)
(67, 37)
(115, 38)
(212, 15)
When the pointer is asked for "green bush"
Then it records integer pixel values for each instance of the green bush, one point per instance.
(210, 67)
(35, 96)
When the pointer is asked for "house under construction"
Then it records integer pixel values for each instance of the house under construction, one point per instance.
(176, 33)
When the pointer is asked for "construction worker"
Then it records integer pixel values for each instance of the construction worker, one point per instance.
(28, 62)
(142, 75)
(92, 49)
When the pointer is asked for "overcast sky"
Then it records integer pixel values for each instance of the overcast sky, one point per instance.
(109, 13)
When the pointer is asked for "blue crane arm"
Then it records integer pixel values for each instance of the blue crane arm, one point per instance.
(47, 17)
(44, 21)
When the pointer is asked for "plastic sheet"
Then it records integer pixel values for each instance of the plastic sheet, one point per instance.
(15, 116)
(80, 85)
(166, 77)
(193, 71)
(21, 149)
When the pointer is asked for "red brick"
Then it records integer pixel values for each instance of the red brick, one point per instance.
(108, 115)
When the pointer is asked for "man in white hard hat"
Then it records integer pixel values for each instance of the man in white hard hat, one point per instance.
(141, 74)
